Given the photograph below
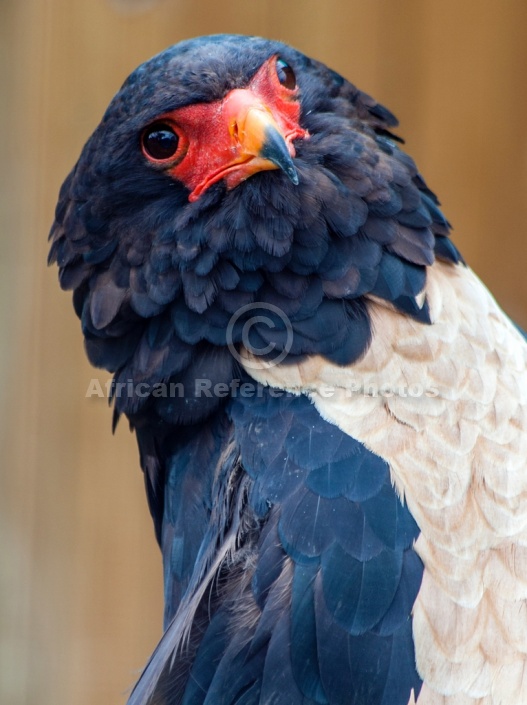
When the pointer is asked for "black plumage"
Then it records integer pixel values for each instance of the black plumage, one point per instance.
(289, 569)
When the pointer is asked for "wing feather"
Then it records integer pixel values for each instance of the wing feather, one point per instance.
(446, 406)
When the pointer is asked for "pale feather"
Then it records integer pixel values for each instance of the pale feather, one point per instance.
(457, 454)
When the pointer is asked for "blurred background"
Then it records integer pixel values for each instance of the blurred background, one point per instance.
(80, 573)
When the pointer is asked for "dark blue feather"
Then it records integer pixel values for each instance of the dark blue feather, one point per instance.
(288, 555)
(304, 657)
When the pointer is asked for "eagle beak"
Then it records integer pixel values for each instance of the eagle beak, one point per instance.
(258, 140)
(241, 135)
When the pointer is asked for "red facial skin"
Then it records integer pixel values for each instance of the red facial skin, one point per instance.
(223, 140)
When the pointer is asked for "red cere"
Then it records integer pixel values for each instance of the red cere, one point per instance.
(224, 139)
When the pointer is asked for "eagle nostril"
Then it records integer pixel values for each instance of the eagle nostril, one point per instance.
(235, 131)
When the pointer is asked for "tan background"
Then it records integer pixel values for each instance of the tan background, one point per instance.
(80, 575)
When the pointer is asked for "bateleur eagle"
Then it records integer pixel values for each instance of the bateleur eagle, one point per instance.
(330, 407)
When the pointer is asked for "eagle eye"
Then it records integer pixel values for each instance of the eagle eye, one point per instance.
(285, 74)
(160, 141)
